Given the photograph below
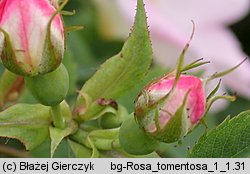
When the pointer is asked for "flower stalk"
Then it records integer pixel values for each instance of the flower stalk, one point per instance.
(57, 117)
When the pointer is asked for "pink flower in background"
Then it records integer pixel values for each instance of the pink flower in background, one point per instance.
(29, 50)
(170, 27)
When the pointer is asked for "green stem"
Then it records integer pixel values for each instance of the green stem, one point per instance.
(116, 144)
(57, 117)
(80, 136)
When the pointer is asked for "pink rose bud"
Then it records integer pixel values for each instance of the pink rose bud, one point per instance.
(31, 36)
(167, 115)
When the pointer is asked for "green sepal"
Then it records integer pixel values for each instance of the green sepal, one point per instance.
(9, 59)
(114, 119)
(194, 64)
(73, 28)
(27, 123)
(223, 73)
(84, 102)
(52, 57)
(180, 62)
(68, 13)
(96, 111)
(215, 98)
(213, 92)
(176, 127)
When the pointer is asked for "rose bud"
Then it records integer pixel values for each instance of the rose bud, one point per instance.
(170, 107)
(31, 36)
(169, 114)
(49, 89)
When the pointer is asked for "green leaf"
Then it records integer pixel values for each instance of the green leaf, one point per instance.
(43, 150)
(27, 123)
(57, 135)
(123, 71)
(230, 139)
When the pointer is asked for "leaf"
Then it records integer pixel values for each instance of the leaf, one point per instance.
(57, 135)
(43, 150)
(27, 123)
(122, 72)
(230, 139)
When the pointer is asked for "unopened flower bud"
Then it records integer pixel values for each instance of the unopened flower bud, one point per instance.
(168, 113)
(31, 36)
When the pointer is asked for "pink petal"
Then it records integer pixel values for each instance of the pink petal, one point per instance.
(171, 19)
(26, 23)
(205, 12)
(196, 99)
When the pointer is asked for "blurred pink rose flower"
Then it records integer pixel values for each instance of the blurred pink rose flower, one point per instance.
(170, 27)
